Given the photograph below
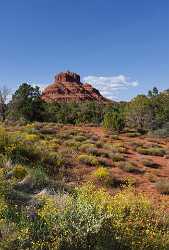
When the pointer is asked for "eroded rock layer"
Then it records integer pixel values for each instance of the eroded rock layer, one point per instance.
(67, 87)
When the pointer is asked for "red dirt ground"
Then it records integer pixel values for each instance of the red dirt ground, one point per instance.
(144, 182)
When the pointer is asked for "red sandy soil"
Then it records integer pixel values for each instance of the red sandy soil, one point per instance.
(144, 182)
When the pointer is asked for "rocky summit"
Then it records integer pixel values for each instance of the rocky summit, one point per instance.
(67, 87)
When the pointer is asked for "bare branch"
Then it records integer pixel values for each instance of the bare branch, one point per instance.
(4, 93)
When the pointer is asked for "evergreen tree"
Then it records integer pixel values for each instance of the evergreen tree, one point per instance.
(26, 103)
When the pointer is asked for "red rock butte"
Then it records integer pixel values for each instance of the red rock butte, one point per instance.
(67, 87)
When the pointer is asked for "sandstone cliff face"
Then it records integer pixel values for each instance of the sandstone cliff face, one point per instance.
(67, 87)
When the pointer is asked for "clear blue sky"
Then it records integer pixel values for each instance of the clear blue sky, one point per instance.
(39, 38)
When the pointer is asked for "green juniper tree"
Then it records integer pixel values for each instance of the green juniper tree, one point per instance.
(26, 103)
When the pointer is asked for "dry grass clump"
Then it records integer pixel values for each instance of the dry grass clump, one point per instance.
(108, 146)
(134, 144)
(115, 137)
(119, 148)
(118, 145)
(103, 161)
(163, 186)
(116, 157)
(48, 131)
(116, 148)
(99, 144)
(51, 145)
(19, 171)
(79, 138)
(92, 149)
(156, 151)
(101, 153)
(72, 144)
(65, 135)
(39, 178)
(150, 163)
(88, 159)
(4, 161)
(94, 137)
(52, 162)
(133, 134)
(86, 146)
(102, 175)
(130, 167)
(151, 177)
(129, 181)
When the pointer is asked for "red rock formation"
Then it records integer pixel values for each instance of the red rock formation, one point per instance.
(67, 77)
(67, 87)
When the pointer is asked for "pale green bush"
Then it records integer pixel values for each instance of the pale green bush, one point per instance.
(88, 159)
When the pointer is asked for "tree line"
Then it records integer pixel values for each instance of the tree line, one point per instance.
(143, 113)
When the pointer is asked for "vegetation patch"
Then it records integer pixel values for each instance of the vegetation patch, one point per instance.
(105, 162)
(19, 171)
(133, 134)
(72, 143)
(116, 157)
(163, 186)
(156, 151)
(86, 146)
(102, 175)
(150, 163)
(88, 159)
(130, 167)
(39, 178)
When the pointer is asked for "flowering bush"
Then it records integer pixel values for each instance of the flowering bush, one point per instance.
(19, 171)
(89, 218)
